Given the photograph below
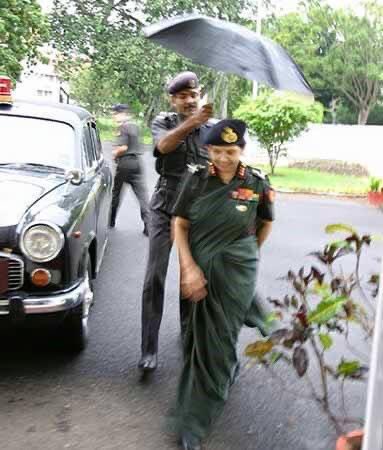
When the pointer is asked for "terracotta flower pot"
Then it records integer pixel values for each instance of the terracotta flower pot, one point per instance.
(350, 441)
(375, 198)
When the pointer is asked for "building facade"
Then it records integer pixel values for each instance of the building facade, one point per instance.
(41, 81)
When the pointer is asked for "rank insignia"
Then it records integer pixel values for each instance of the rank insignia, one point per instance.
(212, 170)
(229, 136)
(241, 208)
(191, 84)
(241, 171)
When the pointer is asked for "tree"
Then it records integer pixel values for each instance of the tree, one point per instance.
(109, 34)
(23, 29)
(224, 9)
(94, 93)
(339, 51)
(277, 119)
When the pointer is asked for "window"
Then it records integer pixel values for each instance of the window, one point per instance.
(44, 93)
(38, 141)
(87, 144)
(96, 141)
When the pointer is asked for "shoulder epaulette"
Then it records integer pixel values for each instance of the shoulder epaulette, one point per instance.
(169, 118)
(167, 115)
(259, 173)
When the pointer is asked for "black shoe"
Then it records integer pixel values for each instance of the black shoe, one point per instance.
(146, 231)
(190, 442)
(112, 223)
(148, 362)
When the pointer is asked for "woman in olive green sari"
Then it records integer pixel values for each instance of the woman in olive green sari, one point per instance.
(224, 214)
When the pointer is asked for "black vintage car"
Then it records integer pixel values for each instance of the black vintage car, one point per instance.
(55, 194)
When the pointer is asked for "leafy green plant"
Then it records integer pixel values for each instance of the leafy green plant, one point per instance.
(23, 31)
(325, 57)
(323, 303)
(375, 184)
(107, 127)
(278, 119)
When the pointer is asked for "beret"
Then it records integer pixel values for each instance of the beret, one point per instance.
(226, 132)
(119, 107)
(184, 80)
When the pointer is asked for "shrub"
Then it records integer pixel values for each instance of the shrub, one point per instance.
(323, 303)
(277, 119)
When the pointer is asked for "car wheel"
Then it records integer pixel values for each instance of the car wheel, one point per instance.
(76, 327)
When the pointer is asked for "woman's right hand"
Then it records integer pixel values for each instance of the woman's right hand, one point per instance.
(193, 284)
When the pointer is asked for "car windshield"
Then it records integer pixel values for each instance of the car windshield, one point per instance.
(36, 142)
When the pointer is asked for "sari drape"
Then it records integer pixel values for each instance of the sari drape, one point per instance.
(228, 258)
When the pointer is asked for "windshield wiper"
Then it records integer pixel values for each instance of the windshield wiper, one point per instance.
(41, 167)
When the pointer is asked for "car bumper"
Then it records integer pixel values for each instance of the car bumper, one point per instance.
(20, 303)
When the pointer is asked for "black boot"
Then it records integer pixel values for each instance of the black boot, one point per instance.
(190, 442)
(148, 362)
(112, 220)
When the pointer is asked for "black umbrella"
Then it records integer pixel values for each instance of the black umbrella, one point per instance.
(230, 48)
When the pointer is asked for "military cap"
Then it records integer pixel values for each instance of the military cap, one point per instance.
(119, 107)
(226, 132)
(184, 80)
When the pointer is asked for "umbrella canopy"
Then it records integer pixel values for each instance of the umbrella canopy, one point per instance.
(230, 48)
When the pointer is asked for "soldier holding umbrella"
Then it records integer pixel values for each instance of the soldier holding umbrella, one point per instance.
(177, 140)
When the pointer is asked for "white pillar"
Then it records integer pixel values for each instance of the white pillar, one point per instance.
(373, 434)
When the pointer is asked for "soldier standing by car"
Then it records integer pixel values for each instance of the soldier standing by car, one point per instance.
(177, 140)
(129, 170)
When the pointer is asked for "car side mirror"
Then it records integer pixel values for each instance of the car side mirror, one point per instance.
(75, 176)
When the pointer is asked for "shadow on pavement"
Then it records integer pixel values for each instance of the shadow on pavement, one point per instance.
(24, 352)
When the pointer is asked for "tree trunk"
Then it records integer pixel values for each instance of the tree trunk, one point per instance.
(333, 109)
(271, 160)
(214, 91)
(224, 95)
(363, 115)
(149, 111)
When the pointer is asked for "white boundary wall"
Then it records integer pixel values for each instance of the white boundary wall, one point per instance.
(361, 144)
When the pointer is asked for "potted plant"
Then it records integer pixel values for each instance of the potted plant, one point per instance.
(375, 194)
(323, 303)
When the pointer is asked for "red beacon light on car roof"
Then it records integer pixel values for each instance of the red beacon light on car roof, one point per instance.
(5, 90)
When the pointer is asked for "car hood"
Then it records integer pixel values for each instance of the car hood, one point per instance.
(19, 191)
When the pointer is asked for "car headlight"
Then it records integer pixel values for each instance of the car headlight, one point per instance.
(41, 242)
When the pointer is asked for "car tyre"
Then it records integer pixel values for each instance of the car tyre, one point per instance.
(76, 327)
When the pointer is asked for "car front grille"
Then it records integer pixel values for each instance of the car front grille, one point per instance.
(11, 272)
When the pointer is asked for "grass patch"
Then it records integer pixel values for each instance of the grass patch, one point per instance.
(107, 128)
(315, 181)
(146, 135)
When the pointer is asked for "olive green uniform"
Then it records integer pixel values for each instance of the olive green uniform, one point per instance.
(223, 244)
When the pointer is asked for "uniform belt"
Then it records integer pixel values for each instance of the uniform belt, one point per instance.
(128, 154)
